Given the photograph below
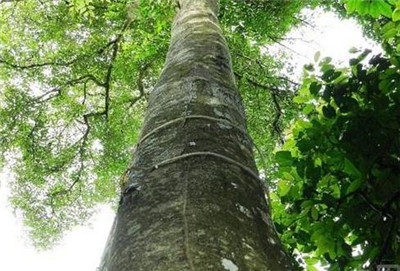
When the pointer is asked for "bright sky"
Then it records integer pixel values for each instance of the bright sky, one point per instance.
(81, 249)
(330, 36)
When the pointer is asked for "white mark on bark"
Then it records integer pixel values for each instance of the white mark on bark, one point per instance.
(272, 240)
(264, 217)
(218, 113)
(192, 144)
(244, 210)
(214, 101)
(247, 245)
(229, 265)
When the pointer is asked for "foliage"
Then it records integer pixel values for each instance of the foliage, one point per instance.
(61, 113)
(338, 171)
(75, 76)
(337, 175)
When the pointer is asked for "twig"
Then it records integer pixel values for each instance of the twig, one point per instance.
(274, 93)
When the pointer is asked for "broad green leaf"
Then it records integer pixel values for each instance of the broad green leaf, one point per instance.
(317, 56)
(351, 5)
(384, 8)
(301, 99)
(388, 26)
(283, 187)
(307, 204)
(378, 8)
(351, 169)
(311, 261)
(396, 15)
(308, 109)
(311, 268)
(353, 50)
(374, 10)
(328, 111)
(363, 7)
(314, 213)
(390, 34)
(315, 88)
(284, 158)
(355, 185)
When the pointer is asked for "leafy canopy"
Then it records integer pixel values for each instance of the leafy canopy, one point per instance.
(75, 76)
(337, 175)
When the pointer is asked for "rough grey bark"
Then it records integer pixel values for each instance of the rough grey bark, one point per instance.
(193, 200)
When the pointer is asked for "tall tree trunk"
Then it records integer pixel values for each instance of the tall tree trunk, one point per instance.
(193, 199)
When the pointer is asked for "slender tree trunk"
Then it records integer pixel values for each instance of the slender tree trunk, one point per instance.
(193, 199)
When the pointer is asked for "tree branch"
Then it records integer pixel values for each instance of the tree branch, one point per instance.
(274, 93)
(37, 65)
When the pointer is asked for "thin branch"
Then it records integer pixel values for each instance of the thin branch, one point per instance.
(262, 66)
(258, 84)
(274, 93)
(305, 22)
(391, 200)
(139, 83)
(84, 93)
(373, 206)
(37, 65)
(81, 152)
(278, 116)
(57, 90)
(386, 242)
(108, 79)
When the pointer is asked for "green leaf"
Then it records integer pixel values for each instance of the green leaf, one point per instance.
(384, 8)
(379, 7)
(283, 187)
(311, 268)
(351, 169)
(307, 204)
(389, 34)
(308, 109)
(315, 88)
(327, 74)
(396, 15)
(351, 5)
(374, 10)
(317, 56)
(309, 67)
(353, 50)
(362, 7)
(328, 111)
(311, 261)
(284, 158)
(314, 213)
(388, 26)
(354, 186)
(301, 99)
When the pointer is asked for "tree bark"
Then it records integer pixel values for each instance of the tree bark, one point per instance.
(193, 199)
